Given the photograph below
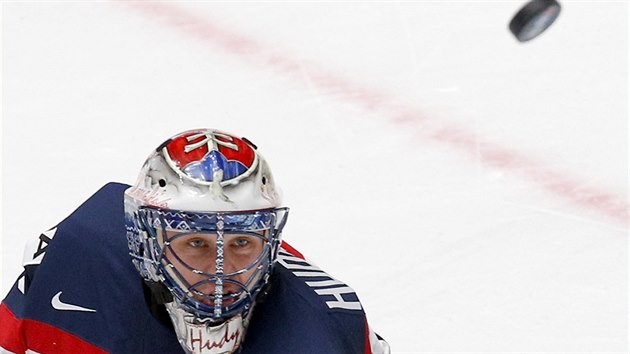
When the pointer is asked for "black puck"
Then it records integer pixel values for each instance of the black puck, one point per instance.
(534, 18)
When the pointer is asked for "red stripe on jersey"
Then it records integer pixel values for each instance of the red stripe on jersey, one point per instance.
(287, 247)
(368, 345)
(10, 337)
(18, 335)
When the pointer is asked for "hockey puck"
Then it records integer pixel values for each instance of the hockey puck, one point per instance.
(534, 18)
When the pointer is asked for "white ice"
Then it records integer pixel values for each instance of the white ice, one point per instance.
(380, 120)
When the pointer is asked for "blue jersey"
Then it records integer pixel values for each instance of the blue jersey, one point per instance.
(80, 294)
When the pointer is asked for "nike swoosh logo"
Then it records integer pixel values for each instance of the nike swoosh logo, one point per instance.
(57, 304)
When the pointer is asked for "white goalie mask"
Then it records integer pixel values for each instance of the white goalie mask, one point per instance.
(204, 219)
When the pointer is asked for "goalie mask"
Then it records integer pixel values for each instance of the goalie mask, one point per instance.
(204, 221)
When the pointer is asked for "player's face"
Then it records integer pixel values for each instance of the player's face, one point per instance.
(193, 254)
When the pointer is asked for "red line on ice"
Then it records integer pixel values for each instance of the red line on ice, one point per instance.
(248, 49)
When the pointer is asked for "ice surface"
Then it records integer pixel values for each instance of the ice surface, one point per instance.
(471, 189)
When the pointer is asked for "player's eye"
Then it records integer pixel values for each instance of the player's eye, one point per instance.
(196, 243)
(241, 242)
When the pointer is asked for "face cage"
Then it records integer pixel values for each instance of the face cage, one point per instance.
(157, 221)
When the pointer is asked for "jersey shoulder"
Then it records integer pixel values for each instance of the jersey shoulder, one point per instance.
(313, 284)
(79, 282)
(306, 311)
